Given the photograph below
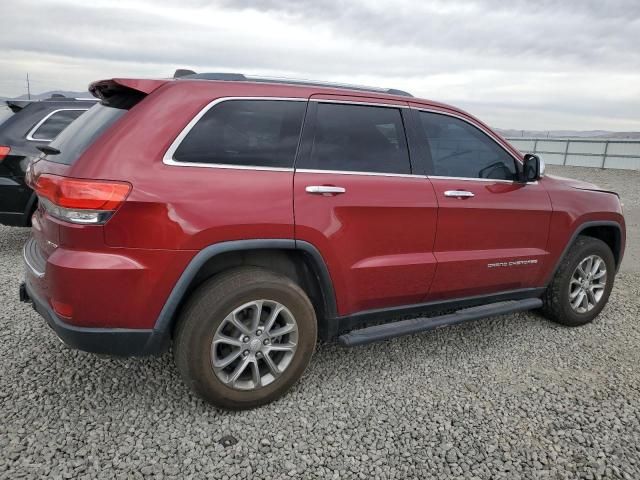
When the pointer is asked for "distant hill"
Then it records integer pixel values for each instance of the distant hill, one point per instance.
(42, 96)
(511, 133)
(505, 132)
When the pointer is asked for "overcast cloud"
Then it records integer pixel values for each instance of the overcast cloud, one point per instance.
(537, 64)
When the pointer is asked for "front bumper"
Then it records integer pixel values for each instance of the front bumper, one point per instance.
(110, 341)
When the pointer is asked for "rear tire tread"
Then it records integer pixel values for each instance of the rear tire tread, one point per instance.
(197, 319)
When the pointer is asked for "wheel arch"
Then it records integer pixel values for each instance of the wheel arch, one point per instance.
(298, 260)
(608, 231)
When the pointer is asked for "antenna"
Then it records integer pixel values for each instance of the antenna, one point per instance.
(28, 88)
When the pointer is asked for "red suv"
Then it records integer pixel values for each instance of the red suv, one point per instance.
(240, 218)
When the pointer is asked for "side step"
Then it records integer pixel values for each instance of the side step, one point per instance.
(417, 325)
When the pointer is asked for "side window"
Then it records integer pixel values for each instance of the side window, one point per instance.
(459, 149)
(55, 123)
(358, 138)
(258, 133)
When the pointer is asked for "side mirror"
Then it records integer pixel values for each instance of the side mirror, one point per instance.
(532, 168)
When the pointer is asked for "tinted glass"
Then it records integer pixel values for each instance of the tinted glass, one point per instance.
(55, 124)
(459, 149)
(75, 139)
(5, 113)
(359, 138)
(258, 133)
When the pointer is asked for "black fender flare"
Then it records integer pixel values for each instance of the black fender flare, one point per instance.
(165, 319)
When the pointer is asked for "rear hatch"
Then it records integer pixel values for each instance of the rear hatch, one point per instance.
(71, 210)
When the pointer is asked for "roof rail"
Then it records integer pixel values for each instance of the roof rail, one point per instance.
(239, 77)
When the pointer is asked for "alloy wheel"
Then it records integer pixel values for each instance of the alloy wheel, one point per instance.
(587, 284)
(254, 344)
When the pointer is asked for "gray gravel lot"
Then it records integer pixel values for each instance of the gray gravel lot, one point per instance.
(509, 397)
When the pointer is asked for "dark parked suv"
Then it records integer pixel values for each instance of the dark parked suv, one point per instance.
(239, 219)
(24, 126)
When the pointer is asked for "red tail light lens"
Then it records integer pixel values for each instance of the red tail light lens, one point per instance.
(62, 309)
(78, 200)
(4, 151)
(82, 194)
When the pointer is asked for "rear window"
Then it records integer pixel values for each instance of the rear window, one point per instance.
(5, 113)
(82, 132)
(54, 123)
(257, 133)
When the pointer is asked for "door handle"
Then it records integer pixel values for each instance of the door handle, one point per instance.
(325, 189)
(458, 194)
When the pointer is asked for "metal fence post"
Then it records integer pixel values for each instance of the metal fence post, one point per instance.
(566, 151)
(604, 157)
(535, 145)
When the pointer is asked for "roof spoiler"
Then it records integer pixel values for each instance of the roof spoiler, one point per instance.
(123, 92)
(17, 105)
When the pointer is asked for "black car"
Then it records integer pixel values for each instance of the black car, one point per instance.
(24, 126)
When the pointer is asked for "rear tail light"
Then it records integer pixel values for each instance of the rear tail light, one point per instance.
(4, 151)
(77, 200)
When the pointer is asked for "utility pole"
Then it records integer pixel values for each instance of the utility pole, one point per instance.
(28, 88)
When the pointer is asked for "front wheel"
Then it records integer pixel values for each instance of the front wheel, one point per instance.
(581, 286)
(245, 337)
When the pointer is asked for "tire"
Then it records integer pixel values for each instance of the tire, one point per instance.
(557, 303)
(208, 314)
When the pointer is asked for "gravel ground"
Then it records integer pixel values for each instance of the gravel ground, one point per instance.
(509, 397)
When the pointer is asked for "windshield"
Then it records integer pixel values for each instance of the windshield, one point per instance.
(82, 132)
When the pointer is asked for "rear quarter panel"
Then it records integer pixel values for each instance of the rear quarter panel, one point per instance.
(185, 207)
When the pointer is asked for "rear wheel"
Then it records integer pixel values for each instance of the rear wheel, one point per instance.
(245, 337)
(582, 285)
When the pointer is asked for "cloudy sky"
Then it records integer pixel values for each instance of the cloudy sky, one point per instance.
(525, 64)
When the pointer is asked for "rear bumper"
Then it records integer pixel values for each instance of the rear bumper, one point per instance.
(109, 341)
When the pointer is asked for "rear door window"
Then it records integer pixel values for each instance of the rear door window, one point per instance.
(250, 133)
(55, 122)
(358, 138)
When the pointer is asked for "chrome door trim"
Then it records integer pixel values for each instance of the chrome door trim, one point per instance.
(490, 180)
(370, 174)
(39, 124)
(175, 163)
(168, 159)
(354, 102)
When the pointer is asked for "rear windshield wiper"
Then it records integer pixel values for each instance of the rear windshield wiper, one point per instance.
(47, 150)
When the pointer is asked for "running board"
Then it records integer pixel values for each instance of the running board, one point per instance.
(417, 325)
